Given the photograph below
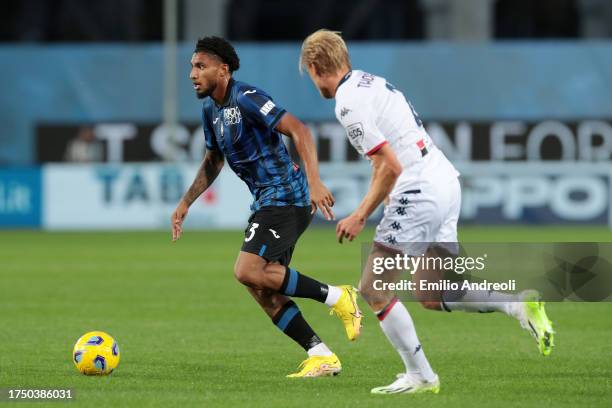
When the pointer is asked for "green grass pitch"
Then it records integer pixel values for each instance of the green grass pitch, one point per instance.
(190, 335)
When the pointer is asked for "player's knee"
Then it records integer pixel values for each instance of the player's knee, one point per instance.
(431, 300)
(245, 275)
(431, 304)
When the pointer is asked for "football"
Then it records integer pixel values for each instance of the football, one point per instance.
(96, 353)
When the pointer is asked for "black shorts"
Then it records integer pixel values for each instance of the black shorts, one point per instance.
(273, 232)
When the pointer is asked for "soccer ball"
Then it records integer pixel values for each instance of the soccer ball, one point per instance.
(96, 353)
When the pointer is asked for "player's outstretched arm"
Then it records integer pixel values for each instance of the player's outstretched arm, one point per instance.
(386, 171)
(320, 196)
(209, 170)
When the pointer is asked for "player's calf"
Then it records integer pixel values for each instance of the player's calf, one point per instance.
(376, 299)
(270, 301)
(255, 272)
(430, 299)
(286, 315)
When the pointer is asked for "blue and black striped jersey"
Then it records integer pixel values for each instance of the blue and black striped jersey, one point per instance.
(243, 129)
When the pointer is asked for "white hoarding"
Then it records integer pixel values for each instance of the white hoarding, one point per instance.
(137, 197)
(131, 196)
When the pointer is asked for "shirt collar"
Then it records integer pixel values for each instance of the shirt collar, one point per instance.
(344, 79)
(228, 92)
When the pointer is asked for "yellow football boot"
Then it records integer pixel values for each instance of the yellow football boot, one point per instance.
(318, 366)
(347, 310)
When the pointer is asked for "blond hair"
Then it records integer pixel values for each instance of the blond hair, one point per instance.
(326, 51)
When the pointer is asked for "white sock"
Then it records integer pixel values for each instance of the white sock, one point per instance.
(484, 301)
(333, 294)
(399, 329)
(319, 350)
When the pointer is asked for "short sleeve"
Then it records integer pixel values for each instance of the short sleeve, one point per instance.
(361, 129)
(258, 106)
(209, 133)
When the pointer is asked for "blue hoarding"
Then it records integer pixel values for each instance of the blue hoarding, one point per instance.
(20, 197)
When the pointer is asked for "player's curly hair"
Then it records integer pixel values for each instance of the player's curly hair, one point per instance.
(221, 48)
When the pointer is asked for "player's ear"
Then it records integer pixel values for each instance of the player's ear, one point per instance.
(224, 70)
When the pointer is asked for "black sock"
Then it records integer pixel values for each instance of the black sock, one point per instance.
(298, 285)
(290, 320)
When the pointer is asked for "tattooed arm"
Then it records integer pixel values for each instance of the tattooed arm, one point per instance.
(208, 172)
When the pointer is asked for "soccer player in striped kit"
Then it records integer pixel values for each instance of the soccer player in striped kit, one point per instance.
(243, 126)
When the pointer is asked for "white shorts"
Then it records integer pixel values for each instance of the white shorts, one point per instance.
(415, 218)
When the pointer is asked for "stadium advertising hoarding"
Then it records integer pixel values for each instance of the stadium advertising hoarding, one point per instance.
(508, 140)
(20, 197)
(512, 172)
(142, 196)
(137, 197)
(506, 193)
(540, 193)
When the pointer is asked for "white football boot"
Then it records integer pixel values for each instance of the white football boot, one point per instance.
(409, 384)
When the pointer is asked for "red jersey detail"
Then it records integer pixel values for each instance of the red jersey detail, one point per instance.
(376, 148)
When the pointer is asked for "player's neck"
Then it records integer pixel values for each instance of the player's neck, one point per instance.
(337, 79)
(219, 95)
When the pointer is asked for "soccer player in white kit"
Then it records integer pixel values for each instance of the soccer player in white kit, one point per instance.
(422, 197)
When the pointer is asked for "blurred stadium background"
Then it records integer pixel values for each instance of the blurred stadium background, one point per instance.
(101, 129)
(101, 132)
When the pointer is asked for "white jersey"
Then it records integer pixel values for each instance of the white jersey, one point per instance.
(374, 113)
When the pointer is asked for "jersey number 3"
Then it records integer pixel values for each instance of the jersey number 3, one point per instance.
(252, 231)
